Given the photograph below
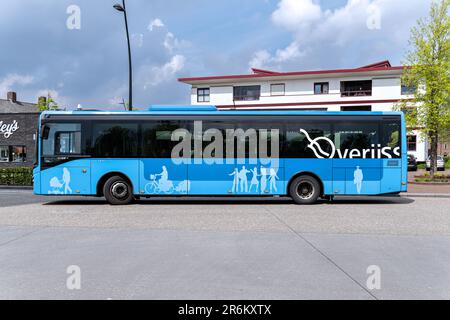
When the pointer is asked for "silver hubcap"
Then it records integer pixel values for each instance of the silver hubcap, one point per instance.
(119, 190)
(305, 190)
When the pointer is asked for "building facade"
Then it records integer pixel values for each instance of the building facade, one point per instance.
(375, 87)
(18, 125)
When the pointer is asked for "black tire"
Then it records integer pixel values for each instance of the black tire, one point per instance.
(305, 190)
(118, 191)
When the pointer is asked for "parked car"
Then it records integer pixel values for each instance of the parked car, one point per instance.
(412, 163)
(440, 163)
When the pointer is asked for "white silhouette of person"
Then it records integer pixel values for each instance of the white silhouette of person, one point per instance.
(235, 173)
(254, 181)
(273, 180)
(163, 181)
(243, 185)
(263, 179)
(358, 179)
(66, 181)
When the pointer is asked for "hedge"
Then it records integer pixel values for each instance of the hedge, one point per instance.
(16, 176)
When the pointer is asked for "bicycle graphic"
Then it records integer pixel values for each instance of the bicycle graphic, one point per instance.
(158, 186)
(164, 185)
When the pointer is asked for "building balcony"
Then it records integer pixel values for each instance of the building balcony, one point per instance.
(356, 93)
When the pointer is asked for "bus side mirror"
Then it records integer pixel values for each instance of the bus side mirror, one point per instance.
(45, 132)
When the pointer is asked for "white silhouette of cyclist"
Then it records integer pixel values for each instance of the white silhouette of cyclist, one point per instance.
(164, 184)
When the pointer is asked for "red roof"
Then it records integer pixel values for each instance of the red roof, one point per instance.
(381, 64)
(260, 73)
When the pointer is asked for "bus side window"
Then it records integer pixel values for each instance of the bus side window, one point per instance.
(61, 138)
(157, 138)
(297, 142)
(67, 142)
(114, 139)
(355, 135)
(391, 136)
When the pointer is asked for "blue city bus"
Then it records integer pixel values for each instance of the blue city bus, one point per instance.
(202, 151)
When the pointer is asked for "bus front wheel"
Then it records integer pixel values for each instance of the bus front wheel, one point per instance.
(305, 190)
(117, 190)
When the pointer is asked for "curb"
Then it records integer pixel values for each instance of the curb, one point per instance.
(425, 195)
(430, 183)
(6, 187)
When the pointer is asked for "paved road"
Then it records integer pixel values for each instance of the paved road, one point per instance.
(224, 248)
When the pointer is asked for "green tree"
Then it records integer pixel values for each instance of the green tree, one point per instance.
(428, 71)
(47, 103)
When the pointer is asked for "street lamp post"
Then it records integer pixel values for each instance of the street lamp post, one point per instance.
(123, 9)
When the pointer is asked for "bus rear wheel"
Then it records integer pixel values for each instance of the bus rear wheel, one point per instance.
(117, 191)
(305, 190)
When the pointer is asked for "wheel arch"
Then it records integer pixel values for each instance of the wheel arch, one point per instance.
(101, 182)
(306, 173)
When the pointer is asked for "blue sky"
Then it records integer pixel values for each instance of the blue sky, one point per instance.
(181, 38)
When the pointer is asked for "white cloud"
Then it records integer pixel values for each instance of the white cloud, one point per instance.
(170, 42)
(361, 30)
(263, 58)
(137, 39)
(154, 75)
(155, 23)
(9, 82)
(293, 14)
(260, 59)
(48, 92)
(62, 101)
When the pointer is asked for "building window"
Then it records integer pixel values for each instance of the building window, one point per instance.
(412, 142)
(4, 154)
(321, 88)
(18, 153)
(13, 154)
(356, 88)
(246, 93)
(277, 89)
(203, 95)
(356, 108)
(408, 90)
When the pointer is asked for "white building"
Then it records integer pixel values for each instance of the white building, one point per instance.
(376, 87)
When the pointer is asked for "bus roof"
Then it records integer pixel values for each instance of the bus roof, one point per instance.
(212, 110)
